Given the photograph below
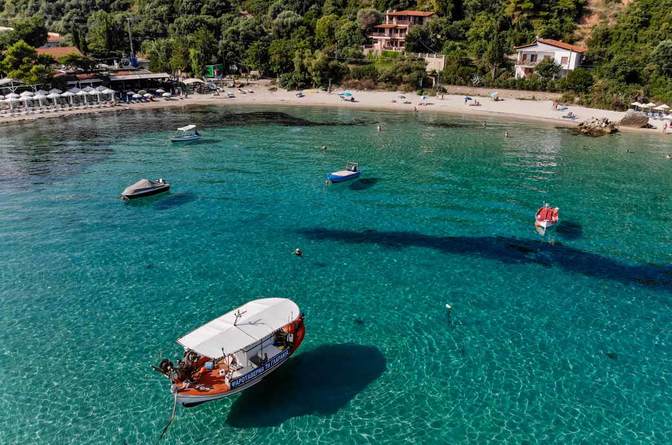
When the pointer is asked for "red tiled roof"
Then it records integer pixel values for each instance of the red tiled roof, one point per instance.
(557, 44)
(59, 51)
(410, 13)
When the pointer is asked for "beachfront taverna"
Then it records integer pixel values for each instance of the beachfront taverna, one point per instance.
(568, 56)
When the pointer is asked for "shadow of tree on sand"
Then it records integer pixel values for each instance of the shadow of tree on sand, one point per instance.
(320, 381)
(511, 251)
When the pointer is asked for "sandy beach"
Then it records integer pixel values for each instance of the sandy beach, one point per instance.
(512, 106)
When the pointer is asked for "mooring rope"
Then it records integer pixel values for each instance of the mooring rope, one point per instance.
(172, 416)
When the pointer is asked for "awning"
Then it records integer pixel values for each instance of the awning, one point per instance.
(259, 319)
(150, 76)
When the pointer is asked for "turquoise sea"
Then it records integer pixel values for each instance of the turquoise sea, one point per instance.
(565, 339)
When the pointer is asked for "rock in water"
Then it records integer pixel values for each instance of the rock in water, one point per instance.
(634, 119)
(597, 127)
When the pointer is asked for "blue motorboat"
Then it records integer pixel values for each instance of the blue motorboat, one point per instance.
(351, 171)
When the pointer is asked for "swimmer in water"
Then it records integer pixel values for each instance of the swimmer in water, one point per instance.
(324, 147)
(506, 134)
(298, 252)
(380, 128)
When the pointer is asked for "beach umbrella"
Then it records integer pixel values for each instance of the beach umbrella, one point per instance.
(74, 90)
(55, 91)
(142, 92)
(27, 94)
(2, 97)
(649, 105)
(41, 92)
(467, 98)
(495, 94)
(130, 93)
(12, 100)
(147, 95)
(39, 96)
(88, 89)
(137, 96)
(100, 88)
(166, 95)
(662, 107)
(12, 96)
(636, 104)
(160, 91)
(69, 95)
(83, 94)
(54, 97)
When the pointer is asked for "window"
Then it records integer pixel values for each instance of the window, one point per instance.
(564, 60)
(533, 58)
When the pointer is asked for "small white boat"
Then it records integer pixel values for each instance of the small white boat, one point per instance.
(186, 134)
(351, 171)
(145, 187)
(235, 351)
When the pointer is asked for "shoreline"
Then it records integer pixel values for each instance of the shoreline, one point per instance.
(539, 111)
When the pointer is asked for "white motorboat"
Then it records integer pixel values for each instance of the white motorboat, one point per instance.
(235, 351)
(186, 134)
(145, 187)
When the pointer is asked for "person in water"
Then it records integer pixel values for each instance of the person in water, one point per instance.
(380, 128)
(506, 134)
(298, 252)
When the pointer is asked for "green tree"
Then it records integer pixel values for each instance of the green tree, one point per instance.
(662, 57)
(31, 30)
(107, 33)
(579, 80)
(547, 69)
(285, 23)
(159, 52)
(22, 62)
(367, 18)
(325, 30)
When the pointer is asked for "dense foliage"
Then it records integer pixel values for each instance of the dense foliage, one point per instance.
(317, 42)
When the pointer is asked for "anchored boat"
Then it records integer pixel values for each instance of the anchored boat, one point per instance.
(546, 218)
(235, 351)
(351, 171)
(145, 187)
(186, 134)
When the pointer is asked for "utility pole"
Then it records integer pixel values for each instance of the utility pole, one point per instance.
(130, 36)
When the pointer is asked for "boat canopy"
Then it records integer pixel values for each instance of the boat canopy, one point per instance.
(258, 319)
(141, 184)
(187, 128)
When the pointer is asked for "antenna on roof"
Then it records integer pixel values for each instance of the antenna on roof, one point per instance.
(238, 314)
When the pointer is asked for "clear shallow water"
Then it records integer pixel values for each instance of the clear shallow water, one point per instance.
(563, 342)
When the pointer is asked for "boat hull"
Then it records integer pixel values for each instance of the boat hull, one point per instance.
(144, 193)
(189, 401)
(184, 138)
(342, 178)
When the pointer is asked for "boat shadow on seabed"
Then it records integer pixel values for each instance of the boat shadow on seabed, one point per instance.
(320, 381)
(510, 250)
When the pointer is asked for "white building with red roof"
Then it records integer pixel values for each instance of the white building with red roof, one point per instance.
(391, 35)
(566, 55)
